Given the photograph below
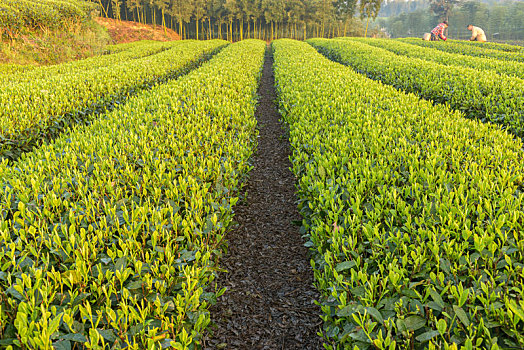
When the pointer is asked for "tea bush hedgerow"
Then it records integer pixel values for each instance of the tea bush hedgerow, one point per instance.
(469, 50)
(109, 236)
(127, 54)
(491, 45)
(24, 15)
(510, 68)
(484, 95)
(35, 111)
(413, 213)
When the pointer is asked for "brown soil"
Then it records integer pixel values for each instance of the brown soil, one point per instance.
(269, 299)
(126, 31)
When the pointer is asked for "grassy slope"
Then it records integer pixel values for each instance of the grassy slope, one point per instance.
(52, 47)
(77, 42)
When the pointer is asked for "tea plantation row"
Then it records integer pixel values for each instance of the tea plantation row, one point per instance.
(469, 50)
(36, 110)
(484, 95)
(414, 212)
(116, 54)
(109, 235)
(510, 68)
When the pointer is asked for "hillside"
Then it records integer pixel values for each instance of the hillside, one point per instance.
(127, 31)
(44, 32)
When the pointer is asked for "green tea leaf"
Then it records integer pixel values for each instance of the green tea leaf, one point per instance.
(461, 314)
(427, 336)
(345, 265)
(414, 323)
(442, 326)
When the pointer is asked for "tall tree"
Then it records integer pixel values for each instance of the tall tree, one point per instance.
(370, 9)
(255, 13)
(295, 12)
(116, 7)
(443, 8)
(325, 12)
(181, 10)
(163, 6)
(199, 10)
(232, 13)
(345, 10)
(219, 13)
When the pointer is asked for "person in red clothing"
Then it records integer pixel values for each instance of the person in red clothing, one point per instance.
(438, 32)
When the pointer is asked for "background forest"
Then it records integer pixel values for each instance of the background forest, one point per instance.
(502, 21)
(240, 19)
(302, 19)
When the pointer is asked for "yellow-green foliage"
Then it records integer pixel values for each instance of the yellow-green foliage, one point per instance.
(125, 46)
(37, 110)
(109, 236)
(10, 19)
(414, 213)
(22, 15)
(116, 55)
(469, 50)
(11, 70)
(485, 95)
(491, 45)
(511, 68)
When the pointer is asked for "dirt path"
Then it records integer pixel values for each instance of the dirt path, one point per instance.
(269, 298)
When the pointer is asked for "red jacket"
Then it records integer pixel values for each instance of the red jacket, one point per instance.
(439, 31)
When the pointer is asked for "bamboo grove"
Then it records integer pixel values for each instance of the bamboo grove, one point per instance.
(240, 19)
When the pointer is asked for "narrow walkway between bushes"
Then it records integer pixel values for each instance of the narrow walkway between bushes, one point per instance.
(269, 299)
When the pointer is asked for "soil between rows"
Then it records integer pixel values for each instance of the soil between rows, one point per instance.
(269, 299)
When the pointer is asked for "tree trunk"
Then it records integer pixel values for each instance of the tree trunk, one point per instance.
(366, 32)
(164, 22)
(305, 31)
(103, 8)
(154, 17)
(241, 24)
(197, 25)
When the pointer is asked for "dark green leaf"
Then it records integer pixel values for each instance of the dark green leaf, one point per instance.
(76, 337)
(121, 263)
(345, 265)
(346, 311)
(461, 314)
(375, 314)
(108, 334)
(414, 323)
(62, 345)
(424, 337)
(437, 298)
